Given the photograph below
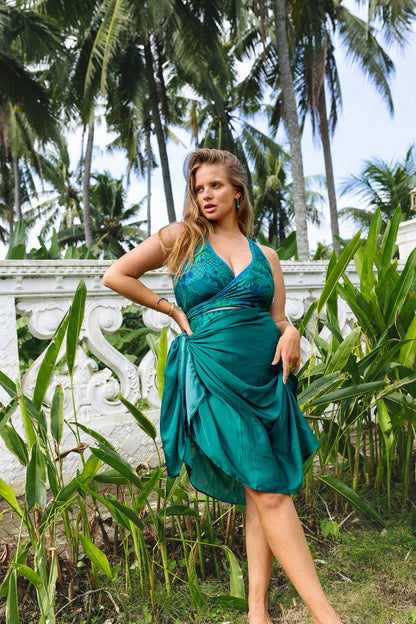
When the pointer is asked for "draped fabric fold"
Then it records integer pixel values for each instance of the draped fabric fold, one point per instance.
(225, 411)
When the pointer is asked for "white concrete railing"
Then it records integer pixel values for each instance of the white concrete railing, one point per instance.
(43, 290)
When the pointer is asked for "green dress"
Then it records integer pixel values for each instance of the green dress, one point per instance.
(225, 411)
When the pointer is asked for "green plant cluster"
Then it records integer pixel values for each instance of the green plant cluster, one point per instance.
(357, 391)
(182, 523)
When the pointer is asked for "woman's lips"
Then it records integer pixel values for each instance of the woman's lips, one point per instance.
(209, 207)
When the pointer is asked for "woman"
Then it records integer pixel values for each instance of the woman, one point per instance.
(229, 411)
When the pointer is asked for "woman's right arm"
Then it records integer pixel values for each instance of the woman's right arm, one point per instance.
(123, 275)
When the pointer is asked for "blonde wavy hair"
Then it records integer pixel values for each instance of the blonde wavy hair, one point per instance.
(197, 227)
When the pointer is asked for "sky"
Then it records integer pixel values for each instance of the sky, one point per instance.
(365, 130)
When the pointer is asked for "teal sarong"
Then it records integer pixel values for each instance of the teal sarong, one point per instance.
(225, 412)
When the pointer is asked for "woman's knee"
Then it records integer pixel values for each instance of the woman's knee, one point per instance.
(268, 500)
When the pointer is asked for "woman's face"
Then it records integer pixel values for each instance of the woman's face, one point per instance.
(215, 195)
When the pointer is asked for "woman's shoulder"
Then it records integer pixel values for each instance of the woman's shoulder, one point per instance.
(170, 233)
(269, 252)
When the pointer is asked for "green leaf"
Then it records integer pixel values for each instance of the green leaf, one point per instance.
(351, 496)
(339, 268)
(408, 350)
(32, 576)
(396, 385)
(48, 363)
(9, 496)
(402, 288)
(114, 460)
(368, 277)
(94, 434)
(15, 444)
(319, 387)
(6, 412)
(231, 602)
(111, 476)
(144, 423)
(236, 576)
(89, 471)
(96, 556)
(36, 479)
(389, 242)
(76, 315)
(384, 420)
(288, 247)
(342, 354)
(350, 392)
(309, 314)
(161, 361)
(12, 604)
(144, 495)
(7, 384)
(27, 421)
(119, 517)
(17, 244)
(193, 584)
(180, 510)
(57, 414)
(127, 511)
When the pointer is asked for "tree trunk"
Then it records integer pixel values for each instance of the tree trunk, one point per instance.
(292, 125)
(17, 197)
(149, 177)
(151, 83)
(329, 170)
(86, 185)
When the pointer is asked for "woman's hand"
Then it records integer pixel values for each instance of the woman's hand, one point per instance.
(181, 319)
(288, 351)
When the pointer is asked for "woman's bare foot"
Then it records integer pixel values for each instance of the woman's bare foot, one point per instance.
(259, 618)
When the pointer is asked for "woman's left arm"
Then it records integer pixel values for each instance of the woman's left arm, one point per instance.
(288, 347)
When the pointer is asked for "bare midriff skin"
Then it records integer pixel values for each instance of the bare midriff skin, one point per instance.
(273, 528)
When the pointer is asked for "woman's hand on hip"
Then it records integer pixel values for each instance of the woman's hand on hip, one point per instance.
(181, 319)
(288, 351)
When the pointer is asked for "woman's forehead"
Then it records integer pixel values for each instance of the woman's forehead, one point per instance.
(208, 170)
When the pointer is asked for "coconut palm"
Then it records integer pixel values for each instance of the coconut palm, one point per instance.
(274, 213)
(29, 40)
(131, 26)
(115, 227)
(383, 185)
(292, 125)
(61, 192)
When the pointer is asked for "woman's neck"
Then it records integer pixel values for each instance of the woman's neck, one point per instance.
(227, 230)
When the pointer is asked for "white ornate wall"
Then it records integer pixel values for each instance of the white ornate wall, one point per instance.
(406, 238)
(43, 290)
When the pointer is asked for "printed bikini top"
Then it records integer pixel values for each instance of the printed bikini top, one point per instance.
(211, 284)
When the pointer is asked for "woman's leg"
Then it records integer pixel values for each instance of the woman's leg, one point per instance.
(260, 562)
(284, 534)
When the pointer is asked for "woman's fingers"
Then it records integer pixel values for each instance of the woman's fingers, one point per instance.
(287, 351)
(182, 320)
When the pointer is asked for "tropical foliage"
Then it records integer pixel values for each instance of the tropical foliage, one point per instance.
(148, 68)
(382, 185)
(358, 391)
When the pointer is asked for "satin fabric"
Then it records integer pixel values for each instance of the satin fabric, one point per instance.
(227, 414)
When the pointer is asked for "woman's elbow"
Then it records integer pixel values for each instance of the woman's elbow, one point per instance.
(108, 279)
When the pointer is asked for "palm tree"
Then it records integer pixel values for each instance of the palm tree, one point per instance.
(274, 212)
(317, 74)
(26, 115)
(383, 185)
(114, 231)
(132, 26)
(61, 190)
(292, 126)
